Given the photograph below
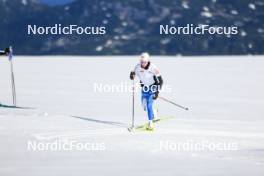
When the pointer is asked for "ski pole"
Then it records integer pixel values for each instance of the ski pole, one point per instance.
(133, 105)
(10, 57)
(171, 102)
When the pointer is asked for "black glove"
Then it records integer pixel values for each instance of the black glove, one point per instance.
(132, 75)
(156, 95)
(7, 51)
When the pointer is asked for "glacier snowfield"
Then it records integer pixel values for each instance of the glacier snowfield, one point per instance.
(58, 101)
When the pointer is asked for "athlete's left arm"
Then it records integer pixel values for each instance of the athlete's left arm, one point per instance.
(158, 81)
(159, 77)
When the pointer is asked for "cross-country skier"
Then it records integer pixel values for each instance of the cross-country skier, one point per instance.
(5, 52)
(151, 83)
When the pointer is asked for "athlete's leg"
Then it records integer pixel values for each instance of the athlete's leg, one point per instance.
(144, 101)
(155, 110)
(150, 106)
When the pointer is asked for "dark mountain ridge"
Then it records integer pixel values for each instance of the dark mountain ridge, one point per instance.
(132, 26)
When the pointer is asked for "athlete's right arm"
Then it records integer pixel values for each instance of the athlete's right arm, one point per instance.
(132, 75)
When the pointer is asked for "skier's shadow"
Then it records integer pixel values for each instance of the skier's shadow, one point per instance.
(119, 124)
(14, 107)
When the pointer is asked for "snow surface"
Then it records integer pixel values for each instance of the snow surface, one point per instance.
(225, 96)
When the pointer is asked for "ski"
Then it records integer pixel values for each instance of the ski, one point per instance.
(143, 127)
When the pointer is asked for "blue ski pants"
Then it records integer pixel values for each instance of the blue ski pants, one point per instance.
(147, 103)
